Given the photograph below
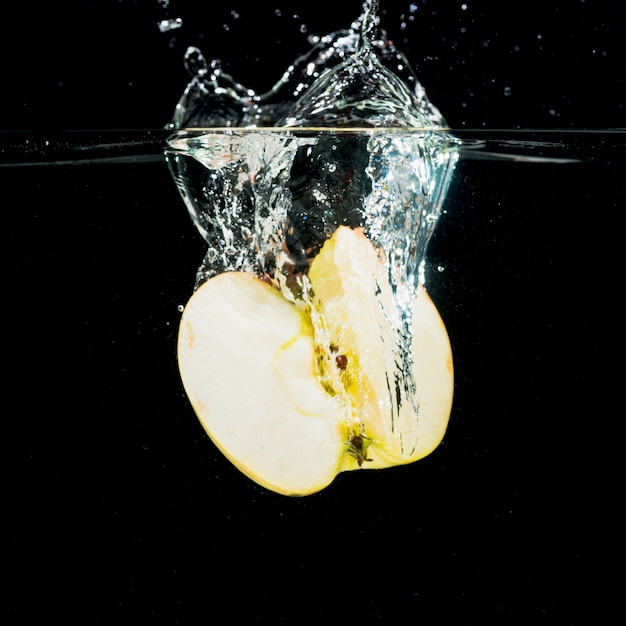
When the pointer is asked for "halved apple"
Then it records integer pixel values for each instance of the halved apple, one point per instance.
(294, 391)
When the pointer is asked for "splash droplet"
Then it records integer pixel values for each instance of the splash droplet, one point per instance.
(172, 24)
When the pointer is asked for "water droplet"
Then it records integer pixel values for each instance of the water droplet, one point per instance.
(167, 25)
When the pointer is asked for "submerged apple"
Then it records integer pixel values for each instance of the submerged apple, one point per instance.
(295, 390)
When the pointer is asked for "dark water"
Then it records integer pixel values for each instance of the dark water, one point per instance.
(118, 505)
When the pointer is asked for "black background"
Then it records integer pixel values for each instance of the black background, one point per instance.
(116, 505)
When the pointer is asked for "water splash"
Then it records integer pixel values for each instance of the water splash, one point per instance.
(213, 98)
(340, 140)
(289, 193)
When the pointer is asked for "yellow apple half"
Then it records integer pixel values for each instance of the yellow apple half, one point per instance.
(294, 391)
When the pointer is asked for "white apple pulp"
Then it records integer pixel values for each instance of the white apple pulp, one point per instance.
(250, 363)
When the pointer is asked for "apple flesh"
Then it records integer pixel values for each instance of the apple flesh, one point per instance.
(294, 391)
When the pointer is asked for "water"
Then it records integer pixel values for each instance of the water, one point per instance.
(253, 193)
(115, 492)
(101, 253)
